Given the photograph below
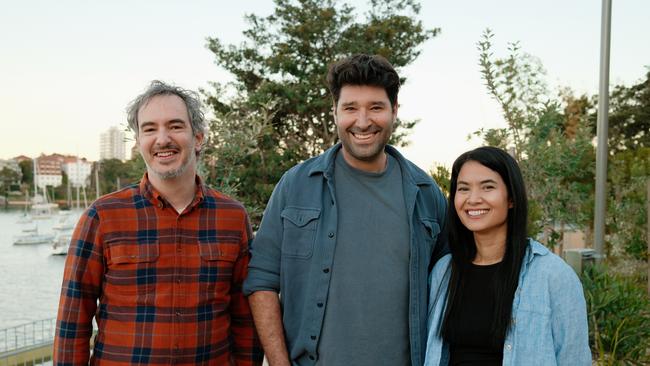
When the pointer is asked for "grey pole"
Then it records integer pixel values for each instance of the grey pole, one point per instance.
(601, 131)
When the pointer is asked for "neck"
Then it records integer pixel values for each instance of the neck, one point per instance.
(377, 165)
(178, 191)
(490, 249)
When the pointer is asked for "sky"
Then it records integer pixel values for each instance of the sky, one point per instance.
(68, 68)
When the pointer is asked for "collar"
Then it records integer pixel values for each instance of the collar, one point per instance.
(535, 248)
(324, 164)
(149, 192)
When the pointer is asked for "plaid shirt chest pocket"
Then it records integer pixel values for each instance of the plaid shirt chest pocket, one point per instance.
(131, 267)
(299, 231)
(217, 263)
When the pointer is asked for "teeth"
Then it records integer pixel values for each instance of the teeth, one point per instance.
(165, 154)
(476, 212)
(363, 136)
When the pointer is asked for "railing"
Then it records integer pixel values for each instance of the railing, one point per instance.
(27, 335)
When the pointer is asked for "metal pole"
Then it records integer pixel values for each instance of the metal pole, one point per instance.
(647, 209)
(601, 132)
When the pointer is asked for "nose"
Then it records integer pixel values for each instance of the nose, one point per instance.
(474, 196)
(362, 121)
(162, 137)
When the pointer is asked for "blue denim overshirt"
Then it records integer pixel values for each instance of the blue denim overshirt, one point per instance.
(293, 250)
(549, 315)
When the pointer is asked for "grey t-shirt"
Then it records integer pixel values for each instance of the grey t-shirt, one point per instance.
(366, 318)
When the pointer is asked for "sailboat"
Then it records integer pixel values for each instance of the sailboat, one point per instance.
(25, 218)
(31, 236)
(41, 208)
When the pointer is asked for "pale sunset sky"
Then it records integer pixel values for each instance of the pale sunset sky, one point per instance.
(68, 68)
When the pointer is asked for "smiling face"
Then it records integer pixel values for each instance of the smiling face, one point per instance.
(165, 138)
(364, 121)
(481, 200)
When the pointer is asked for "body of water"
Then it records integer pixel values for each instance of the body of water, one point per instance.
(30, 277)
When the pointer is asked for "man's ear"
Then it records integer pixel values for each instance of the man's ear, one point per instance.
(334, 113)
(395, 107)
(198, 141)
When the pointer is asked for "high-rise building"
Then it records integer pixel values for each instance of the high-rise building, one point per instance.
(111, 144)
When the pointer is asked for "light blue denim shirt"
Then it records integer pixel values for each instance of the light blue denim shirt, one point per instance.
(293, 251)
(549, 322)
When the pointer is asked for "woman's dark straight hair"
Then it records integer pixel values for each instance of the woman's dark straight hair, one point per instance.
(463, 247)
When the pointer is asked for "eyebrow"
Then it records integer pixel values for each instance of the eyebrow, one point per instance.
(353, 103)
(175, 120)
(482, 182)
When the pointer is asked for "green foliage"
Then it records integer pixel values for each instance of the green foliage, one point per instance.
(628, 174)
(442, 175)
(113, 170)
(552, 144)
(629, 117)
(618, 311)
(8, 180)
(27, 168)
(277, 111)
(240, 160)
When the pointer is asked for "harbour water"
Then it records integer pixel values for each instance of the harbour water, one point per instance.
(30, 277)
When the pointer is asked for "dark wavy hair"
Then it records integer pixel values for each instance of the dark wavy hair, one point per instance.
(362, 69)
(463, 246)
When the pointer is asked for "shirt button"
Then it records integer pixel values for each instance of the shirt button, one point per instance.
(178, 312)
(178, 280)
(320, 304)
(160, 204)
(330, 235)
(508, 347)
(326, 270)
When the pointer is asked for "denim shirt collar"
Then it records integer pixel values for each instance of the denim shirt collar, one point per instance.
(324, 164)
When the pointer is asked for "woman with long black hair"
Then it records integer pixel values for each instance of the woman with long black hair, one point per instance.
(500, 298)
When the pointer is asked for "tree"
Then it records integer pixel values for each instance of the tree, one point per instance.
(628, 168)
(550, 137)
(629, 118)
(8, 178)
(628, 172)
(112, 171)
(27, 169)
(280, 91)
(442, 176)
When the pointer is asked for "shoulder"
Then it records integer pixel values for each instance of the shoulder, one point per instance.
(419, 176)
(298, 176)
(216, 199)
(123, 198)
(554, 269)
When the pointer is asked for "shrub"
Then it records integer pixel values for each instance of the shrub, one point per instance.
(618, 310)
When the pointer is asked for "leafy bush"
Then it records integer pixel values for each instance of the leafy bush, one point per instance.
(619, 317)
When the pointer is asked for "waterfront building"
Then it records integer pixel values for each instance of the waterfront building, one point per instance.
(48, 170)
(78, 170)
(112, 144)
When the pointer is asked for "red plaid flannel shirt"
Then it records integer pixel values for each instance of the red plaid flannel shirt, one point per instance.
(168, 285)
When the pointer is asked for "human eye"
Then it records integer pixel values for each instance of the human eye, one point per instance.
(177, 126)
